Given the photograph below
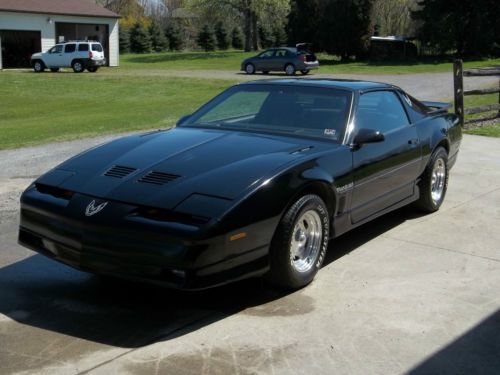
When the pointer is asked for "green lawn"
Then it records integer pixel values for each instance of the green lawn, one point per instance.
(39, 108)
(478, 100)
(231, 60)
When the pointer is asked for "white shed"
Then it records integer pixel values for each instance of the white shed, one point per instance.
(29, 26)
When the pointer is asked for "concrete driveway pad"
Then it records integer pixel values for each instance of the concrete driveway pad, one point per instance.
(407, 293)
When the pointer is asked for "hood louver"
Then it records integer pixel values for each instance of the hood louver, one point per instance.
(158, 178)
(119, 171)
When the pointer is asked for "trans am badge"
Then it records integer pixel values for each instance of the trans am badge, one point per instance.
(92, 209)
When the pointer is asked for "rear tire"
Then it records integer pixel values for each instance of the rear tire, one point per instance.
(434, 182)
(38, 66)
(290, 69)
(304, 72)
(92, 69)
(299, 245)
(77, 66)
(249, 68)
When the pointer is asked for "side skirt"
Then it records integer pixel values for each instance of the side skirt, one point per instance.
(343, 224)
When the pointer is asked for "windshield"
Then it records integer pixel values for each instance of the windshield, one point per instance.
(297, 110)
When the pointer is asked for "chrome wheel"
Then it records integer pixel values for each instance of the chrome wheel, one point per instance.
(306, 241)
(438, 179)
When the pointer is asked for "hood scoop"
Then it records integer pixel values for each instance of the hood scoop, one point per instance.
(158, 178)
(119, 171)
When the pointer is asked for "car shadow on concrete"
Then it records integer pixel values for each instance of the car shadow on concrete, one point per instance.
(41, 293)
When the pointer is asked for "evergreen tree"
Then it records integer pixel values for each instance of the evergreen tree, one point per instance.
(221, 36)
(303, 21)
(140, 41)
(279, 36)
(345, 28)
(236, 38)
(266, 37)
(124, 39)
(471, 28)
(206, 39)
(158, 40)
(174, 35)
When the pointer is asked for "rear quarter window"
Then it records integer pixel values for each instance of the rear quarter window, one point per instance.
(83, 47)
(96, 47)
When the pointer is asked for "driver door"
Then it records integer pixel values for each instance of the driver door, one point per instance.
(385, 172)
(54, 56)
(265, 60)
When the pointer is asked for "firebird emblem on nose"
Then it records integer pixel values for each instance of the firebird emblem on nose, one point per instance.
(92, 209)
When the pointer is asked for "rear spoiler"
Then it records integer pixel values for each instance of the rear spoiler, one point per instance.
(437, 107)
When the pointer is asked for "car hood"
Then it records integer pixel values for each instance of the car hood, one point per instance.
(38, 54)
(161, 169)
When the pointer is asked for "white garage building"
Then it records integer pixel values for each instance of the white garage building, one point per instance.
(29, 26)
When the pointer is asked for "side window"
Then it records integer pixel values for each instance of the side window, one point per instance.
(281, 53)
(267, 54)
(56, 49)
(83, 47)
(380, 110)
(70, 48)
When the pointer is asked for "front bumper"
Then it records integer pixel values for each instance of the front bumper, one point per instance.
(116, 243)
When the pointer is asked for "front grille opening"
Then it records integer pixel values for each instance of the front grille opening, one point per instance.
(119, 171)
(158, 178)
(54, 191)
(171, 216)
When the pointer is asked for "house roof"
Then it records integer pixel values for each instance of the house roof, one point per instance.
(62, 7)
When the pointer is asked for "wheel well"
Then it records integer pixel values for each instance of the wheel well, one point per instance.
(322, 190)
(445, 144)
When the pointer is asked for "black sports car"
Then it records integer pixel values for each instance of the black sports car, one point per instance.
(253, 183)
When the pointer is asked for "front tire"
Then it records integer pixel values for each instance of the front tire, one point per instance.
(299, 245)
(38, 66)
(290, 69)
(434, 182)
(249, 68)
(92, 69)
(77, 66)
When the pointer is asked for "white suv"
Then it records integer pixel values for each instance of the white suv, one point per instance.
(79, 55)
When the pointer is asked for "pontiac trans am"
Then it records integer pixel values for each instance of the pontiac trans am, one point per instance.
(254, 183)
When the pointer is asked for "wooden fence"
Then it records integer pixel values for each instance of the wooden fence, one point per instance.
(458, 83)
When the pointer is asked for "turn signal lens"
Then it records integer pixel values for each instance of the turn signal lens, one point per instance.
(238, 236)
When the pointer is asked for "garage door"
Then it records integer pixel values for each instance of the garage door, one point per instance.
(83, 31)
(18, 46)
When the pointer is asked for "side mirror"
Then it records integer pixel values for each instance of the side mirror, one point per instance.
(182, 120)
(364, 136)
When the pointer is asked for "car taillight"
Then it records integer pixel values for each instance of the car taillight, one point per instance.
(90, 54)
(302, 57)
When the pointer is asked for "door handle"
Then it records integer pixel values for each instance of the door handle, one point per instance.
(414, 141)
